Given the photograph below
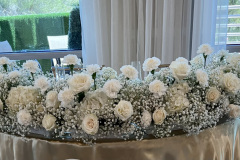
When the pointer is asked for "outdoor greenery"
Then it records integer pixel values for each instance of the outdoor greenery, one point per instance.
(234, 20)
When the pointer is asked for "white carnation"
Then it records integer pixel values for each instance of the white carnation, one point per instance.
(4, 60)
(48, 122)
(234, 111)
(14, 74)
(202, 77)
(71, 60)
(90, 124)
(205, 49)
(66, 96)
(31, 66)
(52, 99)
(24, 117)
(213, 95)
(181, 59)
(129, 71)
(198, 60)
(108, 73)
(231, 82)
(42, 83)
(234, 59)
(178, 102)
(151, 64)
(159, 116)
(112, 87)
(93, 68)
(180, 70)
(157, 88)
(80, 82)
(123, 110)
(146, 119)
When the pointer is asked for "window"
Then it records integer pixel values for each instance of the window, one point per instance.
(233, 35)
(33, 25)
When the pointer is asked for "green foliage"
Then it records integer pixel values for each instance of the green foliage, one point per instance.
(74, 34)
(234, 20)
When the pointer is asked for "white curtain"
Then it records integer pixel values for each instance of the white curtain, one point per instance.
(116, 32)
(210, 24)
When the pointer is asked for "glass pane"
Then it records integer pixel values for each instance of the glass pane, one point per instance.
(30, 25)
(234, 22)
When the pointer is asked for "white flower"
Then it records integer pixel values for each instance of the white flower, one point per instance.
(24, 117)
(222, 53)
(129, 71)
(205, 49)
(66, 96)
(71, 60)
(213, 95)
(80, 82)
(202, 77)
(123, 110)
(108, 73)
(181, 59)
(1, 76)
(21, 95)
(1, 105)
(234, 59)
(42, 83)
(198, 60)
(4, 60)
(180, 70)
(52, 99)
(48, 122)
(14, 74)
(93, 68)
(178, 102)
(31, 66)
(151, 64)
(231, 82)
(146, 119)
(90, 124)
(159, 115)
(157, 88)
(234, 111)
(112, 87)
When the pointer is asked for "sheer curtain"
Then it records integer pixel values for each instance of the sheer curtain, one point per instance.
(210, 24)
(116, 32)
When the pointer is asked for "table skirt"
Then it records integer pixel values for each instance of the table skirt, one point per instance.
(218, 143)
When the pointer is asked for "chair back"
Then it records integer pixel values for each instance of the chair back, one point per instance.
(58, 42)
(5, 47)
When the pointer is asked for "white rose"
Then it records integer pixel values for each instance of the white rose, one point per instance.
(159, 115)
(48, 122)
(52, 99)
(205, 49)
(31, 66)
(112, 87)
(123, 110)
(93, 68)
(178, 102)
(14, 74)
(90, 124)
(1, 105)
(213, 95)
(80, 82)
(234, 59)
(157, 88)
(231, 82)
(66, 96)
(151, 64)
(180, 70)
(71, 60)
(234, 111)
(129, 71)
(24, 117)
(202, 77)
(42, 83)
(146, 119)
(181, 59)
(4, 60)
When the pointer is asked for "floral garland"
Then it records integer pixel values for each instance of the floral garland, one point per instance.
(97, 103)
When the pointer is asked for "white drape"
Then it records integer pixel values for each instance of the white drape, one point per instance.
(210, 24)
(116, 32)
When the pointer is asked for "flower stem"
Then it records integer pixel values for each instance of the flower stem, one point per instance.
(5, 67)
(71, 68)
(153, 71)
(94, 79)
(32, 75)
(205, 59)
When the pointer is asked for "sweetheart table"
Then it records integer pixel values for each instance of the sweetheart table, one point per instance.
(218, 143)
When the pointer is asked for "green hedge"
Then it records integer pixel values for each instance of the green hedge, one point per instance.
(31, 31)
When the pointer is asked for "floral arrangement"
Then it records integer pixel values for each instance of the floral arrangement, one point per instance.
(98, 103)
